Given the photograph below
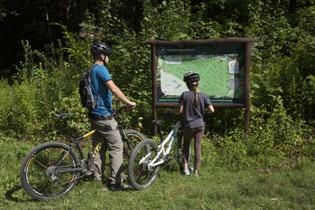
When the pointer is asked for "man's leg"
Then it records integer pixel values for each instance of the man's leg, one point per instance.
(102, 127)
(99, 158)
(108, 130)
(115, 150)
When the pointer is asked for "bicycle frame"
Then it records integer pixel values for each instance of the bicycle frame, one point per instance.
(76, 144)
(164, 148)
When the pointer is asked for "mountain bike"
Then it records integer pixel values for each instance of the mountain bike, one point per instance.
(147, 157)
(52, 169)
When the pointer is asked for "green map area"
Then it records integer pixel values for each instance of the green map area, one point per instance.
(216, 79)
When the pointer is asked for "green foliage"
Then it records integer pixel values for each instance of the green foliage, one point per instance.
(202, 26)
(279, 135)
(18, 110)
(168, 20)
(47, 84)
(282, 76)
(275, 141)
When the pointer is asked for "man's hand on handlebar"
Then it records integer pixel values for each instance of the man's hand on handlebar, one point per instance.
(130, 105)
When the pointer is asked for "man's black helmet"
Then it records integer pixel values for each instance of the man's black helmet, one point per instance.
(191, 78)
(100, 48)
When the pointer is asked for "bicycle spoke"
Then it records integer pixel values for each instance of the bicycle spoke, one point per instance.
(40, 164)
(60, 159)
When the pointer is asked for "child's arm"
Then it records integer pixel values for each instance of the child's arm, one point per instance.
(210, 108)
(181, 108)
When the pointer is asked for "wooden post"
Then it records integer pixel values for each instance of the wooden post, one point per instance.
(247, 82)
(154, 91)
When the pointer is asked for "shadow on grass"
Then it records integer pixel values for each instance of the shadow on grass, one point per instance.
(10, 194)
(14, 194)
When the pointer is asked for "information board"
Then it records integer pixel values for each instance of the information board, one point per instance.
(223, 65)
(220, 66)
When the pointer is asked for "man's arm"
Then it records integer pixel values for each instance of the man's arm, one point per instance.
(118, 93)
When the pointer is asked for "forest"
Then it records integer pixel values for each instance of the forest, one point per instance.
(45, 50)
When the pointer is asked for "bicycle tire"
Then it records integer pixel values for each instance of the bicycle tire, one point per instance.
(39, 175)
(140, 176)
(133, 138)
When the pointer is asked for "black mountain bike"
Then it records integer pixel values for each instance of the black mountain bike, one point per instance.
(51, 169)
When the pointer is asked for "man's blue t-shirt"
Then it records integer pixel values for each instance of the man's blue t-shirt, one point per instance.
(99, 76)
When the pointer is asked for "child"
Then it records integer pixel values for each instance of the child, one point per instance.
(192, 106)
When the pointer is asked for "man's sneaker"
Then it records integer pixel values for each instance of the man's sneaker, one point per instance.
(98, 178)
(118, 187)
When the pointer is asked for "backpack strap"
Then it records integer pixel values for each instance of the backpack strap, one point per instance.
(89, 75)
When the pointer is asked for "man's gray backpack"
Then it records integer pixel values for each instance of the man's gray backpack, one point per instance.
(86, 94)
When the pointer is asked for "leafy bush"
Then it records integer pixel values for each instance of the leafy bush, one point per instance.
(274, 141)
(18, 110)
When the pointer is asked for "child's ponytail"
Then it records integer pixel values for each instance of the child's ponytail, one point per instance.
(196, 100)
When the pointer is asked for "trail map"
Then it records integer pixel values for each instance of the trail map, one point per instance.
(221, 75)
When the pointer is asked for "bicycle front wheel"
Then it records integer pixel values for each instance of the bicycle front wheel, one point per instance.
(49, 170)
(141, 175)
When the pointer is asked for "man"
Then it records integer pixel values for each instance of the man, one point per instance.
(101, 117)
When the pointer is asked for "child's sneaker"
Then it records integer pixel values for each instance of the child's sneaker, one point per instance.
(186, 172)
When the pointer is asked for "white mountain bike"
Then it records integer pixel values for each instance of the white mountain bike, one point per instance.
(147, 157)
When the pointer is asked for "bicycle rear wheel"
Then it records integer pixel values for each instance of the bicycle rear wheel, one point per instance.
(49, 170)
(140, 175)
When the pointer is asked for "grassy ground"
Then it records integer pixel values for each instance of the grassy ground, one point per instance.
(216, 188)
